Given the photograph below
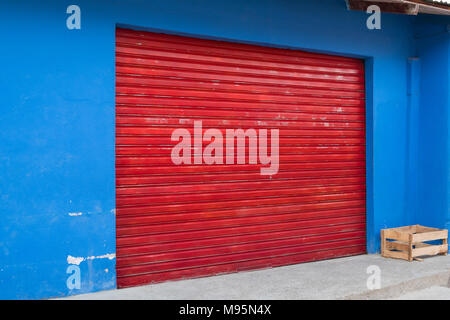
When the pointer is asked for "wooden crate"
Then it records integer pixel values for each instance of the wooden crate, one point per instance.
(408, 243)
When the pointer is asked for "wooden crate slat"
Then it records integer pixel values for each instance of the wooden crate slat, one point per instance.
(396, 254)
(430, 250)
(396, 245)
(430, 236)
(420, 228)
(396, 235)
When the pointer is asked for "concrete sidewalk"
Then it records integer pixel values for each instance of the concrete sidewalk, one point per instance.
(344, 278)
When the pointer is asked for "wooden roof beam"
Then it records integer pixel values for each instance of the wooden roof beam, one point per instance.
(385, 6)
(410, 7)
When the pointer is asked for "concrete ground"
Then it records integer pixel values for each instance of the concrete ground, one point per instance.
(433, 293)
(344, 278)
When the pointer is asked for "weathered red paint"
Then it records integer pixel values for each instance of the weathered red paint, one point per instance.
(187, 221)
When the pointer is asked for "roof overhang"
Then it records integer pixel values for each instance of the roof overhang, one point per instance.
(410, 7)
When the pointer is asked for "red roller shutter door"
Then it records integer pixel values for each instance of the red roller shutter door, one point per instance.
(188, 221)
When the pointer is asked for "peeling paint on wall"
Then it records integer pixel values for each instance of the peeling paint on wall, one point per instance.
(78, 260)
(74, 214)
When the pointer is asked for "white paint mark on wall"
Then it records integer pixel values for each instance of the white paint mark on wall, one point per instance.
(74, 260)
(78, 260)
(74, 214)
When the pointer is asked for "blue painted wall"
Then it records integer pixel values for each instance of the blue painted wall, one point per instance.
(57, 120)
(433, 47)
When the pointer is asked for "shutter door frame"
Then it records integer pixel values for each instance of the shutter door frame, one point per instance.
(175, 222)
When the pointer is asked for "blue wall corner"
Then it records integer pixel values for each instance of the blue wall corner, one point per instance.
(433, 127)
